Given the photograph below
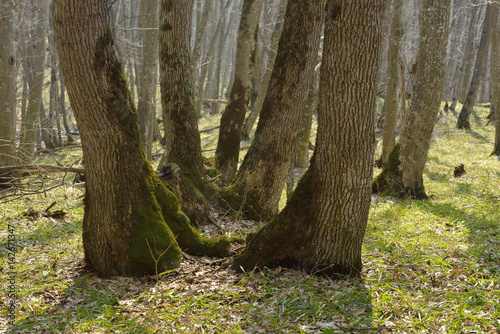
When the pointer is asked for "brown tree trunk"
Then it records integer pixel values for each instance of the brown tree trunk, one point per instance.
(403, 174)
(322, 228)
(228, 147)
(183, 146)
(126, 205)
(265, 168)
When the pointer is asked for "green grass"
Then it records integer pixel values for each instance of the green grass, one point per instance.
(429, 266)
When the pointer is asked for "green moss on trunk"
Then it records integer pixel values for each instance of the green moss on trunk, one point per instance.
(188, 239)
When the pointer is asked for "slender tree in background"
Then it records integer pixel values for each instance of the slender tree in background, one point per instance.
(228, 146)
(391, 95)
(495, 70)
(264, 170)
(28, 139)
(127, 208)
(463, 121)
(146, 105)
(321, 229)
(7, 84)
(403, 174)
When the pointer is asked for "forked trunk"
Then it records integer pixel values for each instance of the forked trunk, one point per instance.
(321, 229)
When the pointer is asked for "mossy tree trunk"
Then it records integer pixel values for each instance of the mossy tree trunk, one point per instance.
(7, 84)
(228, 146)
(127, 208)
(463, 121)
(495, 71)
(391, 117)
(265, 168)
(403, 175)
(183, 145)
(321, 229)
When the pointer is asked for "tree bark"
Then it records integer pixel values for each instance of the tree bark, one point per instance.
(403, 174)
(322, 228)
(228, 146)
(127, 208)
(7, 84)
(463, 121)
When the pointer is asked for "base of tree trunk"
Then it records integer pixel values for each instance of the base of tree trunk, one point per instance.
(287, 241)
(390, 181)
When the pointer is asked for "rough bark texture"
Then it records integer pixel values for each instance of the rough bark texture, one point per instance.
(265, 168)
(126, 205)
(146, 105)
(495, 71)
(322, 228)
(404, 176)
(7, 84)
(179, 115)
(390, 120)
(228, 146)
(463, 121)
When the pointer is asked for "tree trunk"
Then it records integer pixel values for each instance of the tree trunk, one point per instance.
(228, 146)
(28, 141)
(126, 205)
(146, 105)
(391, 95)
(302, 158)
(7, 84)
(254, 113)
(495, 71)
(463, 121)
(469, 52)
(183, 145)
(265, 168)
(322, 228)
(403, 174)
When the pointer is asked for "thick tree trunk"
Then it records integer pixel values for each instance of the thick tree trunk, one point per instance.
(391, 95)
(7, 84)
(322, 228)
(179, 116)
(403, 174)
(126, 205)
(265, 168)
(463, 121)
(228, 147)
(469, 52)
(495, 71)
(146, 105)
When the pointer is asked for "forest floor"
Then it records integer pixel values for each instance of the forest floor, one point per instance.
(430, 266)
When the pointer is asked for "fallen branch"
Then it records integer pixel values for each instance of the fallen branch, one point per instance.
(215, 101)
(210, 130)
(45, 168)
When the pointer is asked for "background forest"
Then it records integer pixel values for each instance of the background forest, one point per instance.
(250, 166)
